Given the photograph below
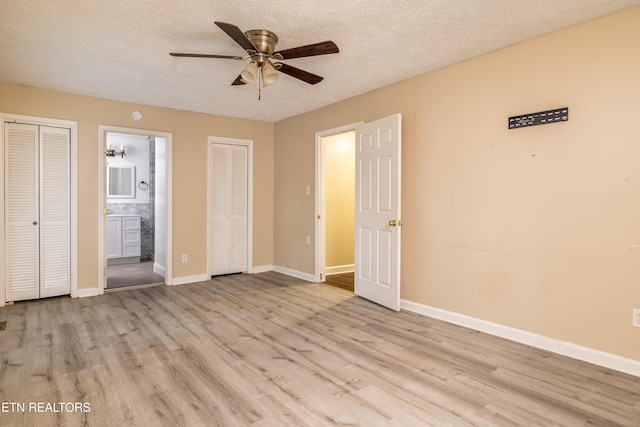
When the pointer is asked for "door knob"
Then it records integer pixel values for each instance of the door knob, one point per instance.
(395, 223)
(35, 222)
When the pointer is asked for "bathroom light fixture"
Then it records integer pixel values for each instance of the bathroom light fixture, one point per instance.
(111, 152)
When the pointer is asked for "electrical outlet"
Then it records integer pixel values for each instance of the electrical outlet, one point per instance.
(636, 317)
(185, 258)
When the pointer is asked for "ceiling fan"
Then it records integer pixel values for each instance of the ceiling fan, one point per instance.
(260, 47)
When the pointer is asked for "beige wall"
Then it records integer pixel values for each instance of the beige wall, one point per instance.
(340, 154)
(190, 132)
(536, 228)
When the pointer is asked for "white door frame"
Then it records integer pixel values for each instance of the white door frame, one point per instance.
(320, 223)
(73, 129)
(102, 200)
(249, 144)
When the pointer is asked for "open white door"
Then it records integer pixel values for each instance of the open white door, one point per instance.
(377, 224)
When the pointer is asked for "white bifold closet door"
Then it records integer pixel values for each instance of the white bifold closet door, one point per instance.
(228, 209)
(37, 213)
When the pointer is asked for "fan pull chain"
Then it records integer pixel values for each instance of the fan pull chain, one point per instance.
(259, 83)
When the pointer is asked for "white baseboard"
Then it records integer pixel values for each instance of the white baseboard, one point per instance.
(261, 269)
(158, 269)
(586, 354)
(190, 279)
(339, 269)
(294, 273)
(88, 292)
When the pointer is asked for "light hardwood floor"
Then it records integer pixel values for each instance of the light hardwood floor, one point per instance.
(342, 280)
(270, 350)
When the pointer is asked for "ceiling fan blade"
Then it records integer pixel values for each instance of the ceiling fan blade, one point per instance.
(322, 48)
(237, 35)
(204, 55)
(305, 76)
(238, 81)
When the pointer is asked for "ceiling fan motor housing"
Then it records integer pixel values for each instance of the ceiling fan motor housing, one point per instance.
(265, 41)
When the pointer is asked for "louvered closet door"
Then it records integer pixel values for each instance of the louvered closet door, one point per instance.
(37, 207)
(21, 210)
(54, 212)
(228, 209)
(238, 210)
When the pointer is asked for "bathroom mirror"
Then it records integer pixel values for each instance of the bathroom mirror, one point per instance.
(121, 182)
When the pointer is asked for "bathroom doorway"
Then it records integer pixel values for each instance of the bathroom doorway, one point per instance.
(335, 205)
(135, 203)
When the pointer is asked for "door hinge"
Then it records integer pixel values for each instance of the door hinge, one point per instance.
(104, 211)
(104, 271)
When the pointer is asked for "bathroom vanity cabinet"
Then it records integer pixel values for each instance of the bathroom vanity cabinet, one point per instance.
(123, 239)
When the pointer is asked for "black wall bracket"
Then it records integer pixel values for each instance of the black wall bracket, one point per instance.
(539, 118)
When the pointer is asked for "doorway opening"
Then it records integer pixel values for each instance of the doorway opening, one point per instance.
(377, 206)
(335, 206)
(136, 206)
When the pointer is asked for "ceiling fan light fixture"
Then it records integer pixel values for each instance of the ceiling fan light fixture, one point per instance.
(249, 74)
(269, 74)
(260, 46)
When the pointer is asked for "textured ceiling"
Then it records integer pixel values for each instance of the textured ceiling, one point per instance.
(119, 49)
